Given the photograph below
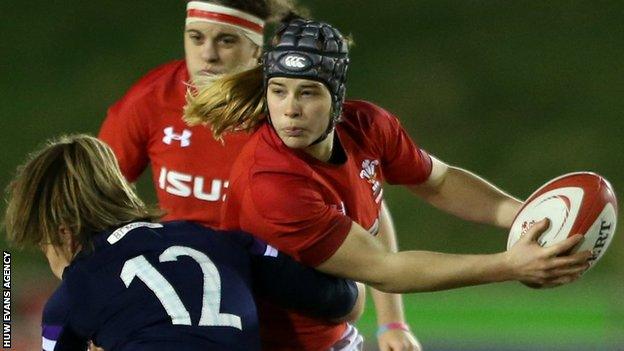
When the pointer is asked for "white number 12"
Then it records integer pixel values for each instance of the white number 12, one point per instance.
(139, 267)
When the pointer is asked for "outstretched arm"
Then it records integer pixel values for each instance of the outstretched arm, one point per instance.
(363, 258)
(468, 196)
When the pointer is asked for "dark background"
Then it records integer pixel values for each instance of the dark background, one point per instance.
(516, 91)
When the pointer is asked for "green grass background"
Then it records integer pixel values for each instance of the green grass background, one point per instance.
(517, 91)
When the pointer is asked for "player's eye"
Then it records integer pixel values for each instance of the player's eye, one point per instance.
(228, 40)
(196, 38)
(278, 91)
(309, 93)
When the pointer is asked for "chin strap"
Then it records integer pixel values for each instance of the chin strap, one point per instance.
(330, 128)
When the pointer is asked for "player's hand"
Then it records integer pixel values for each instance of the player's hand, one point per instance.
(398, 340)
(544, 267)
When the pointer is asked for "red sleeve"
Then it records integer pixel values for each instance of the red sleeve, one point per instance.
(402, 161)
(289, 212)
(128, 135)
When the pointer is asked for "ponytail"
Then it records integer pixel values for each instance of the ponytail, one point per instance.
(236, 102)
(232, 103)
(284, 11)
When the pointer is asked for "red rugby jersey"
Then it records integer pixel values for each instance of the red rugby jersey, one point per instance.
(305, 207)
(190, 169)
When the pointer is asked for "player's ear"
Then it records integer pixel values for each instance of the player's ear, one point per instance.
(70, 244)
(257, 52)
(65, 233)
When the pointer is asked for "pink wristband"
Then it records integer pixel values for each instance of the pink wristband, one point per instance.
(392, 326)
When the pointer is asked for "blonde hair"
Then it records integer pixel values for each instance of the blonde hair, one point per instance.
(232, 103)
(73, 181)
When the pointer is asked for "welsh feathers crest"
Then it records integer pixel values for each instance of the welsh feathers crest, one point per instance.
(369, 173)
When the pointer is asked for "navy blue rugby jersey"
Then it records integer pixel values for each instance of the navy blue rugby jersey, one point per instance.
(180, 286)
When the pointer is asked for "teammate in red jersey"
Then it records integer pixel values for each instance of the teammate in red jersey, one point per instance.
(309, 180)
(190, 169)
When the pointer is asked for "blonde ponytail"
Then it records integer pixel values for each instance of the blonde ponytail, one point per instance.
(232, 103)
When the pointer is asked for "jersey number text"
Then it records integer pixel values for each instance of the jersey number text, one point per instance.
(139, 267)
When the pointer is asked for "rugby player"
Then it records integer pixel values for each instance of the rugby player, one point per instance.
(309, 181)
(189, 167)
(130, 282)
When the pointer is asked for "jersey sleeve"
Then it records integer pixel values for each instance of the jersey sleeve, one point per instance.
(128, 135)
(291, 285)
(58, 334)
(289, 212)
(402, 161)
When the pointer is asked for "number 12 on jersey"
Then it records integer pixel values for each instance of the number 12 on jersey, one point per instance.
(139, 267)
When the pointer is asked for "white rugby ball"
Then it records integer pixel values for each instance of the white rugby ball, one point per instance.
(575, 203)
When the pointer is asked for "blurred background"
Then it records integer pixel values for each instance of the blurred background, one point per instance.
(516, 91)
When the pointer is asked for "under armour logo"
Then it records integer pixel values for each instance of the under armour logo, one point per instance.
(184, 138)
(296, 62)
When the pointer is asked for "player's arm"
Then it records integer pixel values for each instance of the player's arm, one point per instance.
(67, 340)
(291, 285)
(363, 258)
(468, 196)
(388, 306)
(450, 189)
(57, 332)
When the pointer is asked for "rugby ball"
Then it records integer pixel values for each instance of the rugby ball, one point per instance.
(575, 203)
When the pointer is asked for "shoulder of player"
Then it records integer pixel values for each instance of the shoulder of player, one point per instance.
(262, 154)
(272, 156)
(365, 115)
(155, 83)
(56, 308)
(195, 233)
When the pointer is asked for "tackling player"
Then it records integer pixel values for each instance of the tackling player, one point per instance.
(309, 181)
(190, 168)
(131, 283)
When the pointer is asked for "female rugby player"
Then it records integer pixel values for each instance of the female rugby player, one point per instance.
(190, 168)
(309, 181)
(132, 283)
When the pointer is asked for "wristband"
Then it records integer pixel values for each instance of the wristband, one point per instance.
(392, 326)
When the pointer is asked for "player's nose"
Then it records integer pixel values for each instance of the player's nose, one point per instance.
(209, 52)
(292, 108)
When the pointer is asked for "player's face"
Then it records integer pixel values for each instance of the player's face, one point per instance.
(300, 110)
(213, 49)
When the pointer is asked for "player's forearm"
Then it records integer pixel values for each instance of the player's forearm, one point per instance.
(294, 286)
(388, 307)
(363, 258)
(470, 197)
(418, 271)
